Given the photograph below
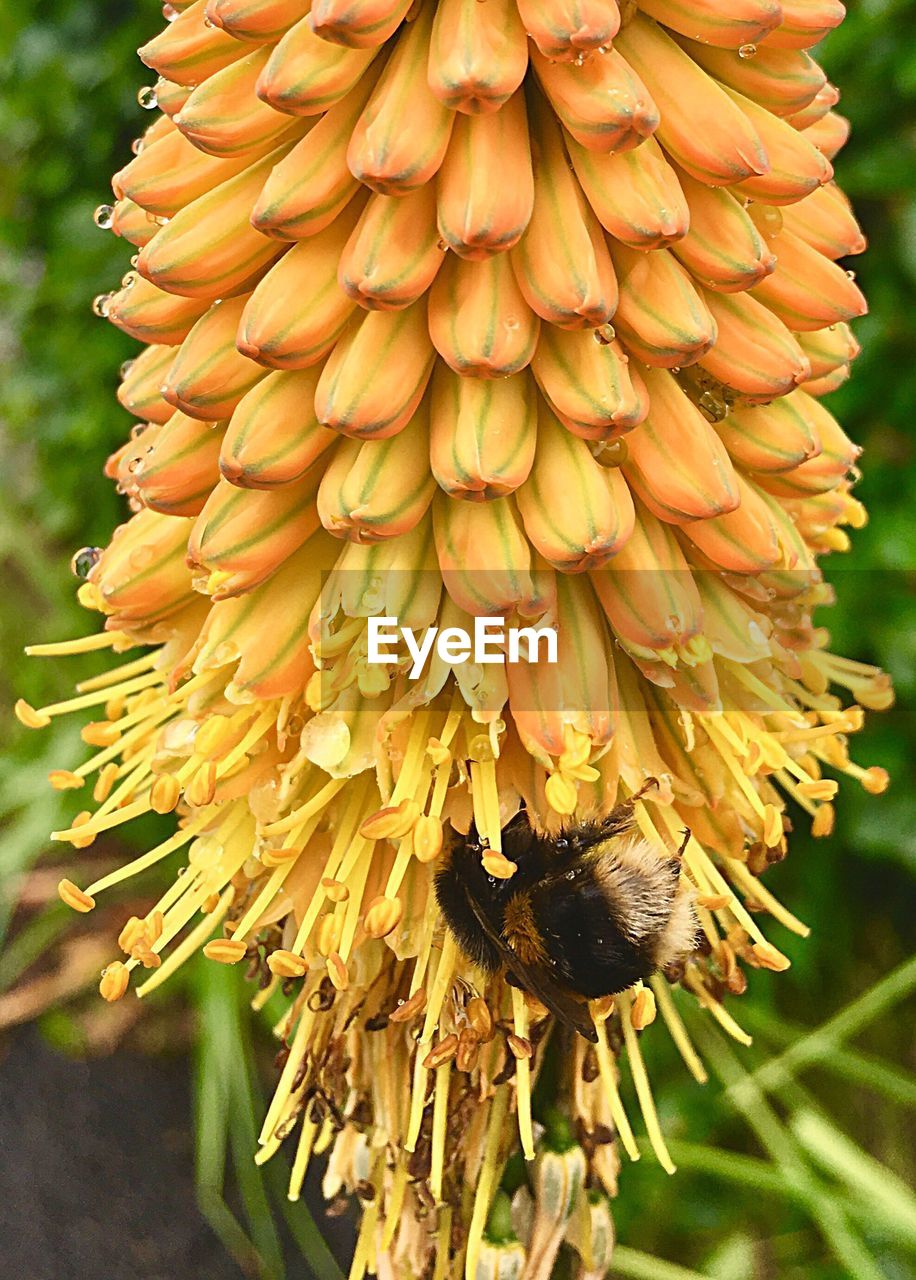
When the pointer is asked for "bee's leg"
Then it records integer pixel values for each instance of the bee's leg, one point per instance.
(620, 820)
(684, 843)
(650, 784)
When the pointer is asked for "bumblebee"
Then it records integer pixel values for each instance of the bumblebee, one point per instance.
(588, 912)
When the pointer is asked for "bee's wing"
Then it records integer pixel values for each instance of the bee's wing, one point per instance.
(562, 1004)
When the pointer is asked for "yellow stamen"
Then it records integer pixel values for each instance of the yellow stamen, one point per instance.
(153, 856)
(641, 1081)
(718, 1011)
(756, 686)
(303, 1154)
(486, 1180)
(440, 1118)
(437, 992)
(65, 780)
(84, 644)
(261, 997)
(310, 809)
(677, 1030)
(188, 946)
(224, 950)
(100, 697)
(114, 983)
(442, 1248)
(417, 1102)
(104, 783)
(286, 965)
(27, 715)
(115, 741)
(288, 1075)
(118, 674)
(75, 897)
(92, 825)
(522, 1076)
(609, 1081)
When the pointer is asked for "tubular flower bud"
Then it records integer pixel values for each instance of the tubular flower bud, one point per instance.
(447, 330)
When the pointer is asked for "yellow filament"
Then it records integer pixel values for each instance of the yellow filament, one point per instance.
(198, 936)
(440, 790)
(83, 644)
(352, 816)
(117, 674)
(261, 998)
(241, 748)
(757, 686)
(149, 859)
(355, 880)
(324, 1138)
(145, 720)
(641, 1081)
(442, 1249)
(417, 1102)
(137, 772)
(486, 1180)
(422, 961)
(187, 893)
(440, 1117)
(608, 1080)
(718, 1011)
(303, 1155)
(288, 1075)
(718, 882)
(522, 1077)
(753, 887)
(444, 971)
(486, 802)
(93, 827)
(307, 810)
(788, 784)
(101, 696)
(360, 1263)
(274, 882)
(676, 1029)
(714, 729)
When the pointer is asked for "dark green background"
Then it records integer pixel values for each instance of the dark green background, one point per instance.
(67, 113)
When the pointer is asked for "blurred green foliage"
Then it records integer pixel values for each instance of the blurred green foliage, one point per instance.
(769, 1185)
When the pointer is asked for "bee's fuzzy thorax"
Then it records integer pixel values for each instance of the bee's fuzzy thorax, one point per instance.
(640, 884)
(649, 902)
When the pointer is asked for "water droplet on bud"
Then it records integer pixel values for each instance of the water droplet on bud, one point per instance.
(747, 51)
(148, 97)
(125, 369)
(101, 304)
(104, 216)
(84, 561)
(604, 334)
(611, 453)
